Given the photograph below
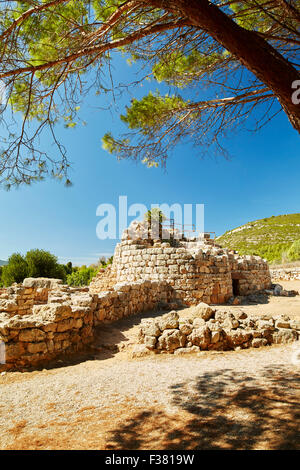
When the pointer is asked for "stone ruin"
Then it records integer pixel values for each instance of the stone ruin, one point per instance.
(213, 329)
(42, 319)
(196, 269)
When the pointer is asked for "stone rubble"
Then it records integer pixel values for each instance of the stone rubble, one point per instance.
(209, 329)
(285, 274)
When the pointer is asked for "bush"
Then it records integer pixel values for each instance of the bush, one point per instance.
(293, 253)
(81, 276)
(36, 263)
(43, 264)
(15, 271)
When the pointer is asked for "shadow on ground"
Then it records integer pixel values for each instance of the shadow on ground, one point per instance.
(221, 410)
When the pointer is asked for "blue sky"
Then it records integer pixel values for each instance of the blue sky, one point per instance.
(261, 180)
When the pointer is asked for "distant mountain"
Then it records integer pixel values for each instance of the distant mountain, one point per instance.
(2, 263)
(269, 237)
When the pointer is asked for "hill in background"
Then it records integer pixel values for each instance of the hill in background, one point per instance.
(270, 238)
(2, 263)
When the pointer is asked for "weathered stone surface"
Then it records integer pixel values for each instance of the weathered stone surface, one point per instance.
(201, 337)
(203, 311)
(32, 335)
(150, 341)
(151, 328)
(41, 282)
(37, 347)
(186, 328)
(258, 342)
(170, 340)
(184, 351)
(140, 350)
(169, 321)
(282, 322)
(284, 335)
(295, 324)
(237, 337)
(198, 322)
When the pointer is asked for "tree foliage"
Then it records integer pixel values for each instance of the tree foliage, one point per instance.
(82, 276)
(244, 54)
(15, 271)
(36, 263)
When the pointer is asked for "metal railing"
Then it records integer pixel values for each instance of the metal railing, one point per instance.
(186, 231)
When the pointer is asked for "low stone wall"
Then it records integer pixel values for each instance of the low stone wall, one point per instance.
(285, 274)
(42, 319)
(209, 329)
(252, 273)
(104, 281)
(130, 299)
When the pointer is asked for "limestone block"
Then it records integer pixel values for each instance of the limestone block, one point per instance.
(32, 335)
(170, 340)
(169, 321)
(284, 335)
(37, 347)
(200, 337)
(202, 310)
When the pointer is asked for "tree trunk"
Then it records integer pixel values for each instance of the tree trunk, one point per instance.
(248, 47)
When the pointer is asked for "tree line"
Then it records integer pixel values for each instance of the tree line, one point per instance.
(41, 263)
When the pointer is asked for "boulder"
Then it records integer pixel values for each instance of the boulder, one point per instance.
(32, 335)
(284, 335)
(237, 337)
(170, 340)
(150, 342)
(169, 321)
(140, 350)
(277, 289)
(186, 328)
(203, 310)
(258, 342)
(201, 337)
(188, 350)
(151, 328)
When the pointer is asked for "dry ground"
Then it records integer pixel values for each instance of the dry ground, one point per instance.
(106, 400)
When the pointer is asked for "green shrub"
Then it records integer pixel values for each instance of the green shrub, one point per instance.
(81, 276)
(42, 264)
(293, 253)
(36, 263)
(15, 271)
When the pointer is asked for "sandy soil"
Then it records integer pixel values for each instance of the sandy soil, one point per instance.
(106, 400)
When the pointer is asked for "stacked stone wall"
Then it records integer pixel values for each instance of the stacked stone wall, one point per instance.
(196, 273)
(211, 329)
(252, 273)
(285, 274)
(41, 320)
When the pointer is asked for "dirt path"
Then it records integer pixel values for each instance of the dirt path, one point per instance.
(233, 400)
